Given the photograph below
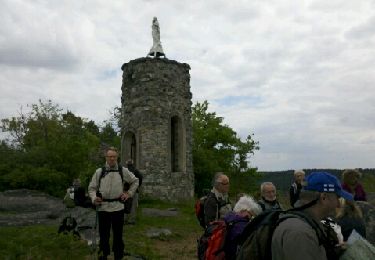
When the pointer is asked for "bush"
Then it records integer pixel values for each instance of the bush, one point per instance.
(43, 179)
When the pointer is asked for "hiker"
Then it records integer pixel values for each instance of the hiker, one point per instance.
(130, 218)
(350, 217)
(217, 203)
(269, 199)
(351, 184)
(296, 186)
(294, 238)
(81, 198)
(106, 191)
(245, 209)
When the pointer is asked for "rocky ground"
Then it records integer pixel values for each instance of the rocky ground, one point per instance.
(26, 207)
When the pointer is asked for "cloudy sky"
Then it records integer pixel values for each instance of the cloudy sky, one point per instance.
(300, 75)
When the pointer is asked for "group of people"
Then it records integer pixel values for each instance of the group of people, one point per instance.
(319, 196)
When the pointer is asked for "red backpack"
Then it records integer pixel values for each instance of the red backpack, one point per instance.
(211, 243)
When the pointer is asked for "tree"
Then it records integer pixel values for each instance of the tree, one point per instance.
(216, 147)
(58, 146)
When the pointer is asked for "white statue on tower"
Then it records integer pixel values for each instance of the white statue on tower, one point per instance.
(157, 49)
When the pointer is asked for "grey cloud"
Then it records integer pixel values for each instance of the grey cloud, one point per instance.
(290, 72)
(38, 56)
(362, 31)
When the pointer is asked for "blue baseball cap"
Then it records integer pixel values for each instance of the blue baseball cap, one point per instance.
(325, 182)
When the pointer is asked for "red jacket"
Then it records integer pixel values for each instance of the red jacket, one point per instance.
(359, 193)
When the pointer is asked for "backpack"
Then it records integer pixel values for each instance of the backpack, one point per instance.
(256, 238)
(199, 210)
(211, 243)
(69, 225)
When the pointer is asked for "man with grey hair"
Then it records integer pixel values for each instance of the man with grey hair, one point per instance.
(295, 238)
(217, 203)
(269, 199)
(295, 188)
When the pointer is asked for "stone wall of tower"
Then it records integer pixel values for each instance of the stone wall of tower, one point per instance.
(156, 126)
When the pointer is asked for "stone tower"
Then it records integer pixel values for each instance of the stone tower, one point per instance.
(157, 126)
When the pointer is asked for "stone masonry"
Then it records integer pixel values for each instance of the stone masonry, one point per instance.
(157, 127)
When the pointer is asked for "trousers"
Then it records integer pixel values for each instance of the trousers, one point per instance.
(114, 220)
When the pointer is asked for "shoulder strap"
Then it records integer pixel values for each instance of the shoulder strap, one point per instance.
(120, 172)
(217, 204)
(104, 172)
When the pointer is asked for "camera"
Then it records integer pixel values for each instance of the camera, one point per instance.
(99, 195)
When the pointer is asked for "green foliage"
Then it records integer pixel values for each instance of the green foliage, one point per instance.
(108, 135)
(40, 178)
(216, 147)
(49, 148)
(244, 182)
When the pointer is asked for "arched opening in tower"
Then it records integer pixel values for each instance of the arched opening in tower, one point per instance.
(177, 145)
(130, 147)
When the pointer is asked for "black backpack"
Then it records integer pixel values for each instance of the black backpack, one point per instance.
(255, 241)
(199, 210)
(69, 225)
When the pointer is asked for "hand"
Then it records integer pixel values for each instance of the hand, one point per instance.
(124, 196)
(98, 201)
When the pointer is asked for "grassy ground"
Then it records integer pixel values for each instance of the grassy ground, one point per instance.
(43, 242)
(180, 245)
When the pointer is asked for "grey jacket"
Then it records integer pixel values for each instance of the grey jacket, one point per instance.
(294, 239)
(111, 187)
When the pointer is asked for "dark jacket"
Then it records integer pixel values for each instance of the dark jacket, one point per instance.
(347, 225)
(213, 206)
(269, 205)
(136, 174)
(294, 192)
